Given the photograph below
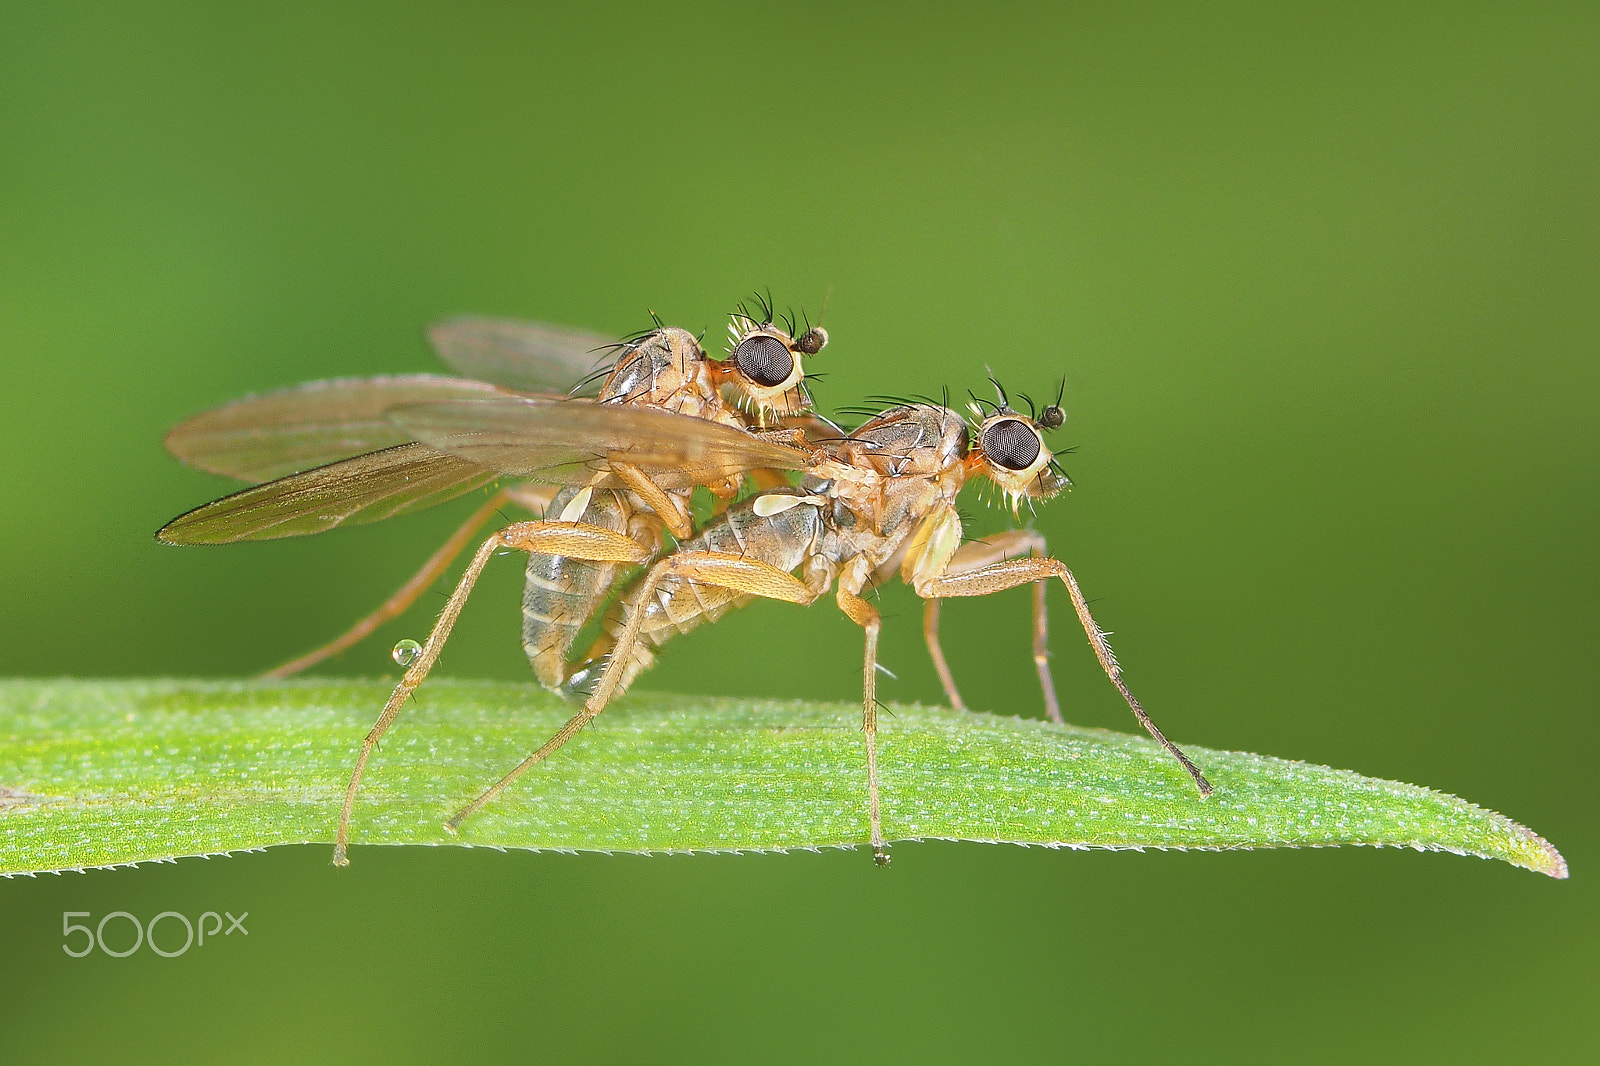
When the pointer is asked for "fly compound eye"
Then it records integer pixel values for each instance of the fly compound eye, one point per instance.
(763, 359)
(1011, 443)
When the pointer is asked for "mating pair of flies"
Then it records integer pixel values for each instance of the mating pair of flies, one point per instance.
(610, 475)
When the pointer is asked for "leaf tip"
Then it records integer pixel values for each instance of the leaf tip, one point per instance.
(1533, 852)
(1544, 858)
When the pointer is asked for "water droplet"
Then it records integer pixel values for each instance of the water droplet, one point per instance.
(406, 652)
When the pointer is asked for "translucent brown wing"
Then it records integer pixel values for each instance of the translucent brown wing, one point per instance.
(367, 488)
(526, 356)
(569, 441)
(259, 438)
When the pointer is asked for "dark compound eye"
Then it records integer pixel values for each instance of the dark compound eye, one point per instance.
(763, 360)
(1011, 443)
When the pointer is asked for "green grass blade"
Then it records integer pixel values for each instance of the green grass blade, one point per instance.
(96, 773)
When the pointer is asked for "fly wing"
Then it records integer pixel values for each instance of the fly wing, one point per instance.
(259, 438)
(526, 356)
(367, 488)
(569, 442)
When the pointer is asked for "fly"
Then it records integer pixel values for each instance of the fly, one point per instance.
(291, 431)
(875, 501)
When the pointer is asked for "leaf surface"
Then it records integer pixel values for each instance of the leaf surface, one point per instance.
(100, 773)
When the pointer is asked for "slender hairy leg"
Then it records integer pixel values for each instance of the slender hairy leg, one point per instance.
(573, 539)
(1014, 572)
(702, 567)
(976, 555)
(1041, 649)
(671, 509)
(930, 634)
(407, 594)
(866, 616)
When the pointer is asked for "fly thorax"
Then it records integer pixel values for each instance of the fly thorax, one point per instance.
(905, 501)
(658, 369)
(631, 379)
(913, 440)
(689, 391)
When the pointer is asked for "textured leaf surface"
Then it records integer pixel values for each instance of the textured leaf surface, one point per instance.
(96, 773)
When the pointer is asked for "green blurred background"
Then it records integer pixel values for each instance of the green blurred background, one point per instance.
(1323, 288)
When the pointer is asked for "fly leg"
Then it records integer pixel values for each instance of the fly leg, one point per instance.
(673, 509)
(728, 571)
(573, 539)
(527, 495)
(851, 581)
(1013, 572)
(975, 556)
(930, 634)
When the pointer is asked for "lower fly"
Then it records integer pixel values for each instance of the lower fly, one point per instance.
(878, 499)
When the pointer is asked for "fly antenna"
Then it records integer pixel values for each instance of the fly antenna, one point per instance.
(1053, 416)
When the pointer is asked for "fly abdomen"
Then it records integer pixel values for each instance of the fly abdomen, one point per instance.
(561, 593)
(783, 540)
